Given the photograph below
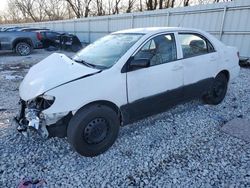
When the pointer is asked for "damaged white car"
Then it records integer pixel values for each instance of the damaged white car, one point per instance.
(120, 78)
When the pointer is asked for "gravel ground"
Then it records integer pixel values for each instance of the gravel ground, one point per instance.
(182, 147)
(9, 57)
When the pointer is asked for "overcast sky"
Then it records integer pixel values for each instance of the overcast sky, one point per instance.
(3, 4)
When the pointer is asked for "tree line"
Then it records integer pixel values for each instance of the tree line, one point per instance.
(20, 11)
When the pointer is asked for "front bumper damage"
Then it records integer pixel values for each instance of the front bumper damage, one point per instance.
(30, 118)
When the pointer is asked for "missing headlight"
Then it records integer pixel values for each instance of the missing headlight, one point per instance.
(44, 102)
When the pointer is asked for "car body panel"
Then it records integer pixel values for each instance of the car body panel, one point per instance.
(152, 80)
(90, 89)
(8, 39)
(51, 72)
(127, 90)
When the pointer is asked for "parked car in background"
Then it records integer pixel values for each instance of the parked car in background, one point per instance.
(37, 38)
(49, 38)
(20, 42)
(120, 78)
(63, 41)
(12, 29)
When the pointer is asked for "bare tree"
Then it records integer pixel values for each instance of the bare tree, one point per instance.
(99, 8)
(80, 7)
(116, 8)
(185, 3)
(27, 8)
(13, 13)
(151, 4)
(131, 3)
(170, 3)
(161, 4)
(113, 7)
(56, 10)
(76, 6)
(87, 9)
(40, 10)
(140, 5)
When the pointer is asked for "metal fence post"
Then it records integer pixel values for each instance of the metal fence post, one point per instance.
(132, 21)
(108, 25)
(63, 26)
(74, 27)
(89, 30)
(168, 15)
(223, 21)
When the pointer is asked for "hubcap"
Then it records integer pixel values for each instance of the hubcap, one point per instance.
(96, 131)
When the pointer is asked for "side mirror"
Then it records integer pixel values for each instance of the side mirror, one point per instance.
(139, 63)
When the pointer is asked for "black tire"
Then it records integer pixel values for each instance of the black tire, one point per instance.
(23, 48)
(218, 90)
(93, 130)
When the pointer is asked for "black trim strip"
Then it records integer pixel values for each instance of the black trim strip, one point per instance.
(155, 104)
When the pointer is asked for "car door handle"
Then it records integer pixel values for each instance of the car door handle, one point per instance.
(175, 68)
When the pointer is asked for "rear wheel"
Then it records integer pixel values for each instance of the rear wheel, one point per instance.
(218, 91)
(93, 130)
(23, 48)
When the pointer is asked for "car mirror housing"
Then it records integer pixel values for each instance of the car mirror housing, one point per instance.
(139, 63)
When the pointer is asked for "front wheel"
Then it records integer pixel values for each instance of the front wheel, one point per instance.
(218, 91)
(93, 130)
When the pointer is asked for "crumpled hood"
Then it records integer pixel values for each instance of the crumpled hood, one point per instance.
(53, 71)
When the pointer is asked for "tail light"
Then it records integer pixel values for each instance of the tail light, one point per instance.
(39, 36)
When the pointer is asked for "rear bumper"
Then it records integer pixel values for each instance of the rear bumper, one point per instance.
(234, 72)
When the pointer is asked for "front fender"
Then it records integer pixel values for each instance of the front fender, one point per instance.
(98, 87)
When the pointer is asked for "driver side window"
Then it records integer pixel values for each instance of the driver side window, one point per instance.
(161, 49)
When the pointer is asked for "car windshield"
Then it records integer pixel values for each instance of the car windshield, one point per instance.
(106, 51)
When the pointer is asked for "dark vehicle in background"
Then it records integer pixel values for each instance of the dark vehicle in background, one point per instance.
(23, 40)
(52, 40)
(49, 38)
(20, 42)
(8, 29)
(25, 29)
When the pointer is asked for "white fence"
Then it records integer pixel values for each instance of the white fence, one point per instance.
(230, 22)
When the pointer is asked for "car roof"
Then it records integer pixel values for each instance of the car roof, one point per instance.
(44, 30)
(148, 30)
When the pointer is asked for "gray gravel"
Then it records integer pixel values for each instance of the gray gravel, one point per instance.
(182, 147)
(9, 57)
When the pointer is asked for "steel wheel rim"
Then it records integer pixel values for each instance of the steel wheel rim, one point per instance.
(96, 131)
(219, 89)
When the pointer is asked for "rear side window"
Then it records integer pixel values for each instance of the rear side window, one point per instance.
(51, 34)
(194, 45)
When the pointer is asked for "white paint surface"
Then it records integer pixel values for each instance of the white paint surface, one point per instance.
(110, 84)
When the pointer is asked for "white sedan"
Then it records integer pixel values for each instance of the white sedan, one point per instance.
(120, 78)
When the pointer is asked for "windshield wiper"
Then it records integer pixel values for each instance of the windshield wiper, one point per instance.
(85, 63)
(90, 65)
